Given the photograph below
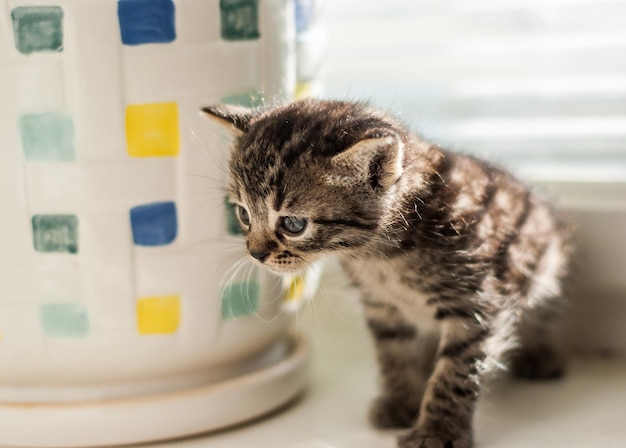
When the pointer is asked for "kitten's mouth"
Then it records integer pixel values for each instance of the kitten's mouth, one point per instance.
(284, 270)
(279, 264)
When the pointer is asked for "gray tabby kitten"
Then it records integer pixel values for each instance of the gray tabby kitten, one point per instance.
(458, 263)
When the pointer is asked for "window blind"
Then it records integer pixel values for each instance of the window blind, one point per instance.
(540, 80)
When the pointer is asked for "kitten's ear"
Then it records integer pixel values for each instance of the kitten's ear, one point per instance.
(378, 160)
(235, 118)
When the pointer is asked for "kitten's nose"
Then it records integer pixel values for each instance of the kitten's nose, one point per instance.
(260, 254)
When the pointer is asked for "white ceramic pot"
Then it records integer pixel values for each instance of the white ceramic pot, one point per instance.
(120, 307)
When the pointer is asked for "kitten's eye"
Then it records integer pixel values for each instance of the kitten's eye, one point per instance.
(244, 217)
(292, 225)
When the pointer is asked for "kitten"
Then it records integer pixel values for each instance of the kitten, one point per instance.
(457, 262)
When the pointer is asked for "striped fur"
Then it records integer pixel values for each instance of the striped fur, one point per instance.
(459, 264)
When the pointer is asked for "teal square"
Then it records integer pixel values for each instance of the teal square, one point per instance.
(55, 233)
(240, 299)
(64, 320)
(232, 223)
(38, 28)
(239, 19)
(47, 137)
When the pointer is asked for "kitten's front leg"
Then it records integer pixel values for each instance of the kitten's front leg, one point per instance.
(448, 406)
(403, 367)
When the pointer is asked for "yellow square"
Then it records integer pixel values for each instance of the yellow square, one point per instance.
(152, 130)
(303, 90)
(296, 289)
(158, 315)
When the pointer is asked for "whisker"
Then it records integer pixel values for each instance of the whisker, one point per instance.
(204, 176)
(231, 273)
(231, 254)
(248, 276)
(225, 281)
(276, 314)
(204, 149)
(213, 193)
(279, 287)
(323, 292)
(317, 322)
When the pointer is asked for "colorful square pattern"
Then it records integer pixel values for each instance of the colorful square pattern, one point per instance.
(146, 21)
(158, 315)
(38, 28)
(47, 137)
(239, 19)
(152, 130)
(55, 233)
(240, 299)
(68, 320)
(154, 224)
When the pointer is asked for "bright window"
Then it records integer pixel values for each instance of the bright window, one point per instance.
(539, 82)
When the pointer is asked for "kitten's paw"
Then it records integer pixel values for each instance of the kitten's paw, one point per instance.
(393, 413)
(418, 439)
(540, 363)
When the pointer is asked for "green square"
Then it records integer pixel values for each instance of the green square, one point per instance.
(240, 299)
(246, 99)
(240, 19)
(66, 320)
(55, 233)
(47, 137)
(38, 28)
(232, 223)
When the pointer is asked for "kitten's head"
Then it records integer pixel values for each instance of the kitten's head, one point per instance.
(310, 178)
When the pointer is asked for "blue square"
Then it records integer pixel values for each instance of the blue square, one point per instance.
(146, 21)
(304, 15)
(154, 224)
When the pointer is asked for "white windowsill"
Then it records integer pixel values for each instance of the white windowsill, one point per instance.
(585, 409)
